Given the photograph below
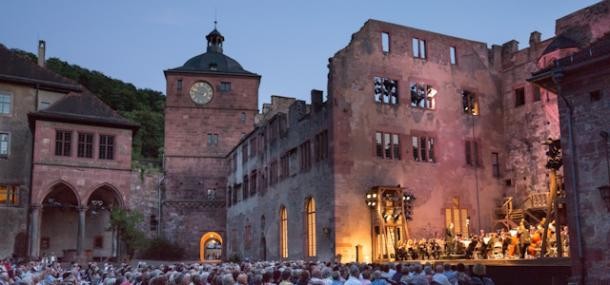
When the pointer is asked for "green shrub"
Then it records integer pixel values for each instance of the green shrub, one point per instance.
(162, 249)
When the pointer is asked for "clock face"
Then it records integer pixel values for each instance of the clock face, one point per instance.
(201, 92)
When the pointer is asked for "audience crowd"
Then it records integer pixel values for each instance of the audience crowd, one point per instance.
(245, 273)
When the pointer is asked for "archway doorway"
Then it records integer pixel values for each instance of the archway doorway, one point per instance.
(210, 247)
(59, 224)
(100, 241)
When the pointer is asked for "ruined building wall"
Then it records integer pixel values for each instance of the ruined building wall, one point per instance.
(254, 219)
(528, 123)
(356, 118)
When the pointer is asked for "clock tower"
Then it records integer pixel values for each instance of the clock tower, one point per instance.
(211, 103)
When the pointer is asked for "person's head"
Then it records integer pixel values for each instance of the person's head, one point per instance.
(376, 275)
(227, 279)
(439, 268)
(417, 268)
(354, 271)
(366, 274)
(257, 279)
(326, 272)
(286, 274)
(304, 276)
(336, 275)
(316, 273)
(479, 269)
(460, 267)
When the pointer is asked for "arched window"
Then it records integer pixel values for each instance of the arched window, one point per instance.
(311, 227)
(283, 233)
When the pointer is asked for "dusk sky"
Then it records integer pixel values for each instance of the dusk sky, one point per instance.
(287, 42)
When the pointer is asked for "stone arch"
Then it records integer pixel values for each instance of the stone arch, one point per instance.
(117, 194)
(59, 221)
(205, 240)
(52, 186)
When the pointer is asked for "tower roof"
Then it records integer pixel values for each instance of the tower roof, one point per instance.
(213, 60)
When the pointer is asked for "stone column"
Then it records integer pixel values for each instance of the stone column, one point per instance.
(35, 212)
(80, 239)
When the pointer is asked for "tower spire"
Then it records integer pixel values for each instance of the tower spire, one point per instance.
(215, 40)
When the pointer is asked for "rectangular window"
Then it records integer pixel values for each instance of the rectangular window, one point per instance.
(284, 166)
(396, 146)
(472, 153)
(305, 151)
(387, 145)
(211, 193)
(419, 48)
(212, 139)
(452, 56)
(98, 242)
(5, 104)
(252, 151)
(495, 164)
(245, 186)
(470, 103)
(379, 144)
(179, 85)
(423, 148)
(385, 42)
(9, 195)
(244, 153)
(253, 180)
(536, 91)
(85, 145)
(106, 147)
(273, 172)
(225, 86)
(595, 95)
(519, 97)
(4, 144)
(63, 143)
(422, 96)
(321, 145)
(386, 91)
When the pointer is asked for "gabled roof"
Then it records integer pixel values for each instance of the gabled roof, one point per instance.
(83, 108)
(21, 70)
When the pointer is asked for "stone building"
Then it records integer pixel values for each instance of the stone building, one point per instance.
(65, 161)
(24, 87)
(448, 121)
(579, 74)
(81, 169)
(211, 103)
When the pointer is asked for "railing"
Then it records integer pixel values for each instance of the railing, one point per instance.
(536, 200)
(598, 49)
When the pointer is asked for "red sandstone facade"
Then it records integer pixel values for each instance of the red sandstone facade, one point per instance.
(197, 139)
(81, 170)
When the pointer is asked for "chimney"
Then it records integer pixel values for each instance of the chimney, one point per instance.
(316, 100)
(42, 46)
(534, 38)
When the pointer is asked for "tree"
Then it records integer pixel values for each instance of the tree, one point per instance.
(126, 222)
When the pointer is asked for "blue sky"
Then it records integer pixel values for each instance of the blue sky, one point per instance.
(287, 42)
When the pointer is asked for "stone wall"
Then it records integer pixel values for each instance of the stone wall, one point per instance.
(261, 212)
(527, 127)
(590, 118)
(356, 117)
(15, 170)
